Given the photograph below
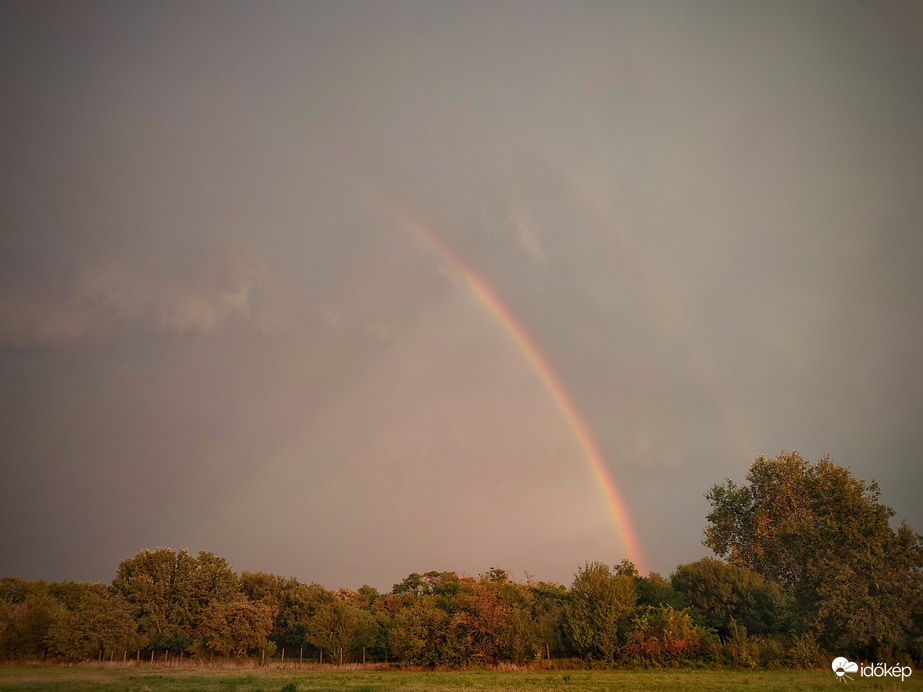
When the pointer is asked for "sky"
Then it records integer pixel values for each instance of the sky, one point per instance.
(348, 290)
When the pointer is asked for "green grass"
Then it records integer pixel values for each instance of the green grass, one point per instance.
(85, 678)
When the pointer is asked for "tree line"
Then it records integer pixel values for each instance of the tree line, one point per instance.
(808, 565)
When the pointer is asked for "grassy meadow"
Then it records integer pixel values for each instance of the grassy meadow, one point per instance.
(84, 678)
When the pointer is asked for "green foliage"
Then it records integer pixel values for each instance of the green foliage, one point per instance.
(180, 601)
(481, 618)
(654, 590)
(663, 635)
(233, 627)
(158, 586)
(98, 623)
(293, 605)
(340, 626)
(804, 651)
(267, 645)
(25, 623)
(718, 593)
(423, 634)
(597, 611)
(741, 647)
(825, 537)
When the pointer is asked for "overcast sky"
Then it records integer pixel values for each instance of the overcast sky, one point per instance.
(216, 335)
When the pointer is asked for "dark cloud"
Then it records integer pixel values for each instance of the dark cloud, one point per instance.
(212, 336)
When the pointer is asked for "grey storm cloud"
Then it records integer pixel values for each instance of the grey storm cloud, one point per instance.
(108, 296)
(704, 216)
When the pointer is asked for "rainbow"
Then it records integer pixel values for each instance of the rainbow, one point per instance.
(615, 505)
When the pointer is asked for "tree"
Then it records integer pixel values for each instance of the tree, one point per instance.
(233, 627)
(338, 627)
(158, 585)
(825, 537)
(654, 590)
(598, 609)
(423, 634)
(169, 593)
(481, 619)
(548, 600)
(719, 593)
(97, 622)
(27, 614)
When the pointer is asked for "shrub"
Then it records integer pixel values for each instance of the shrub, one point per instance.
(743, 649)
(664, 635)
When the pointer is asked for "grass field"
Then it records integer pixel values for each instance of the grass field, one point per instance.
(111, 679)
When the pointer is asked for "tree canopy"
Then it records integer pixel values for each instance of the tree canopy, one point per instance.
(825, 536)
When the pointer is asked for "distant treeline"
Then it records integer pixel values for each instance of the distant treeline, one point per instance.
(836, 579)
(163, 600)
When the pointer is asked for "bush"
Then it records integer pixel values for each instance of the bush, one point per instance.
(664, 635)
(805, 652)
(743, 650)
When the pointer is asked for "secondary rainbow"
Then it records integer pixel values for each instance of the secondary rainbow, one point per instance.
(615, 505)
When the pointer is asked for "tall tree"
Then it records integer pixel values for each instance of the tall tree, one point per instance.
(169, 592)
(825, 536)
(598, 609)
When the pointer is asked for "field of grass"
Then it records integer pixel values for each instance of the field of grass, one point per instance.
(85, 678)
